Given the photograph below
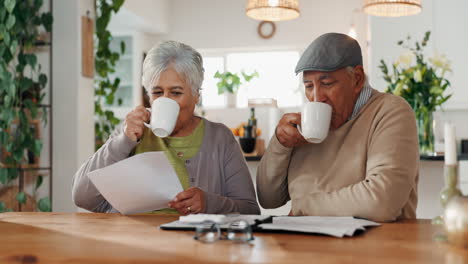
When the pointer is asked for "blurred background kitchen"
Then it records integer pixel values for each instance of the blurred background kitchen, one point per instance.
(82, 100)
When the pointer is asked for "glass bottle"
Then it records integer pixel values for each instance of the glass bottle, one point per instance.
(450, 190)
(253, 122)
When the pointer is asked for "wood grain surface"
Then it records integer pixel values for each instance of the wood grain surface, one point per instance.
(113, 238)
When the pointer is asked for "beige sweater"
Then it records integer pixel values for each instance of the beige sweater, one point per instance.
(366, 168)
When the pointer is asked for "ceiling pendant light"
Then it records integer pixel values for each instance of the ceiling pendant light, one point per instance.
(392, 8)
(272, 10)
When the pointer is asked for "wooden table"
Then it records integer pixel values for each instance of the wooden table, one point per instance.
(112, 238)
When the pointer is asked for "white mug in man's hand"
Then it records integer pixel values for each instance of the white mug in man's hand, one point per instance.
(164, 113)
(315, 121)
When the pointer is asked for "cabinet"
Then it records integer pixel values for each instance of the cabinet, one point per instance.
(463, 176)
(128, 70)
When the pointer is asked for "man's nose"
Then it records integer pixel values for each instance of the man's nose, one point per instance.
(319, 95)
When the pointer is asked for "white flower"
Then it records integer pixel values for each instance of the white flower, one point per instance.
(417, 75)
(441, 61)
(398, 89)
(405, 58)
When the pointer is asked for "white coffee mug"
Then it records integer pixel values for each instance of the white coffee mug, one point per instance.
(164, 113)
(315, 121)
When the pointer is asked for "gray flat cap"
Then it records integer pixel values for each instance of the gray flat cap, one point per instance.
(330, 52)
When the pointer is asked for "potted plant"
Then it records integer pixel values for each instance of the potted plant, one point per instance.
(229, 82)
(421, 83)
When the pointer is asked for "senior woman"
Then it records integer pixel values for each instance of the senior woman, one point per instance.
(205, 155)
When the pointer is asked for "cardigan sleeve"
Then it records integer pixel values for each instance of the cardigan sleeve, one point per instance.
(84, 193)
(239, 194)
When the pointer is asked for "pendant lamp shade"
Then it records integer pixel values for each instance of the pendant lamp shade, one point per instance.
(392, 8)
(272, 10)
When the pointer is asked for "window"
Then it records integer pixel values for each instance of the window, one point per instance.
(276, 78)
(210, 97)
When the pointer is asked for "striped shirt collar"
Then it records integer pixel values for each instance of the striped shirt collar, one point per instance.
(362, 99)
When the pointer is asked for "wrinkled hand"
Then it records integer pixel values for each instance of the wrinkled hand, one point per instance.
(133, 124)
(287, 133)
(193, 198)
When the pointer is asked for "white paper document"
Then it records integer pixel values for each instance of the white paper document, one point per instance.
(139, 184)
(333, 226)
(220, 219)
(189, 222)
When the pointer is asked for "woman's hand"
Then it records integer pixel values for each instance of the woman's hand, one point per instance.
(287, 133)
(133, 124)
(190, 201)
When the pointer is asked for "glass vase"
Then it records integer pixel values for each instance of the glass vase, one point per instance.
(449, 191)
(425, 133)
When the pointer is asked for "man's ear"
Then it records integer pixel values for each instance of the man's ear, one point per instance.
(359, 78)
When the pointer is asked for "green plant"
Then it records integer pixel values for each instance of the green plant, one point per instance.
(422, 84)
(105, 60)
(21, 86)
(230, 82)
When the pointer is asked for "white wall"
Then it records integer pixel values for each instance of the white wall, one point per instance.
(73, 101)
(146, 15)
(222, 24)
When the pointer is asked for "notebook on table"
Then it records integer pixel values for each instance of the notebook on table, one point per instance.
(324, 225)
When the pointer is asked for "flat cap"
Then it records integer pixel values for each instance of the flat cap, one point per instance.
(330, 52)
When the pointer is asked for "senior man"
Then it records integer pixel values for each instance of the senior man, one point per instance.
(366, 167)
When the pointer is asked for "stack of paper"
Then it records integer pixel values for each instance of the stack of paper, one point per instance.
(139, 184)
(333, 226)
(220, 219)
(200, 218)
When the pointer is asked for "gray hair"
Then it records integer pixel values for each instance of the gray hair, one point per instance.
(184, 59)
(350, 70)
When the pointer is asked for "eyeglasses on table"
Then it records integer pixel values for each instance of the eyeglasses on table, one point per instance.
(237, 231)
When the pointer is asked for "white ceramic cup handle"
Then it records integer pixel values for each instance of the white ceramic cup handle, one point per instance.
(146, 124)
(300, 130)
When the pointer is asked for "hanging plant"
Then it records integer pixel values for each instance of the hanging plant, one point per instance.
(22, 87)
(105, 61)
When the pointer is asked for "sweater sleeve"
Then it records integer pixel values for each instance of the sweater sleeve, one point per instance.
(272, 174)
(84, 193)
(391, 172)
(239, 190)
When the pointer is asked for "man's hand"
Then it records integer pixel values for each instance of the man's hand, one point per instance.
(190, 201)
(133, 124)
(287, 133)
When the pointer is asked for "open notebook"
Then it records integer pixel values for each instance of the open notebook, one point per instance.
(325, 225)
